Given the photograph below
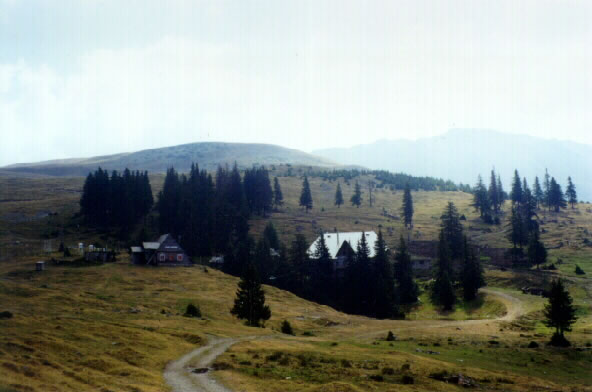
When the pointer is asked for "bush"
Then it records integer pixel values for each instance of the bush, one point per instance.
(463, 217)
(377, 377)
(390, 337)
(287, 328)
(388, 371)
(488, 219)
(346, 363)
(5, 315)
(533, 344)
(192, 311)
(307, 333)
(579, 271)
(405, 367)
(407, 379)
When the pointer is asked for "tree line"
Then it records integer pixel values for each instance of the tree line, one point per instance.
(116, 200)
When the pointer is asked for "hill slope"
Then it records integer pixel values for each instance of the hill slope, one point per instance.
(209, 155)
(462, 154)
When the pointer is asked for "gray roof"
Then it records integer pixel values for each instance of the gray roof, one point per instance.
(335, 240)
(162, 238)
(151, 245)
(137, 249)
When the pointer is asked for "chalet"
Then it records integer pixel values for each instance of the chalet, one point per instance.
(164, 252)
(342, 246)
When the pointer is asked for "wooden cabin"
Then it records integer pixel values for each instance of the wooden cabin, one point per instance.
(163, 252)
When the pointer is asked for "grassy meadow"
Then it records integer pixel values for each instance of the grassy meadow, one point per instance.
(114, 327)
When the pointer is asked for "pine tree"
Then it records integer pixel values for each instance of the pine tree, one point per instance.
(570, 192)
(516, 194)
(480, 198)
(299, 259)
(471, 275)
(547, 190)
(305, 195)
(556, 196)
(338, 196)
(407, 208)
(493, 193)
(356, 198)
(271, 236)
(383, 301)
(249, 303)
(443, 289)
(560, 312)
(322, 273)
(406, 288)
(263, 260)
(517, 234)
(278, 197)
(501, 193)
(538, 194)
(537, 254)
(453, 231)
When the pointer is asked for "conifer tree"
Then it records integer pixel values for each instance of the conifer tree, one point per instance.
(278, 196)
(556, 197)
(356, 198)
(516, 194)
(517, 234)
(537, 254)
(537, 193)
(480, 198)
(322, 273)
(299, 259)
(501, 193)
(263, 259)
(249, 303)
(271, 236)
(547, 190)
(559, 312)
(452, 230)
(338, 196)
(443, 289)
(407, 208)
(383, 301)
(493, 193)
(570, 192)
(406, 288)
(471, 273)
(305, 195)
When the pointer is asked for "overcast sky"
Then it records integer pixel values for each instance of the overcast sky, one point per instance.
(92, 77)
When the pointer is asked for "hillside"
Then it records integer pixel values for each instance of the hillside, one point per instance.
(475, 152)
(209, 155)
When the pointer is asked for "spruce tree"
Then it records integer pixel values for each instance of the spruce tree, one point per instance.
(559, 312)
(271, 236)
(356, 198)
(501, 193)
(338, 196)
(305, 195)
(471, 275)
(536, 252)
(443, 289)
(452, 230)
(278, 197)
(249, 304)
(547, 190)
(517, 233)
(556, 196)
(406, 288)
(407, 208)
(537, 193)
(299, 260)
(383, 301)
(516, 194)
(493, 193)
(570, 192)
(322, 274)
(480, 198)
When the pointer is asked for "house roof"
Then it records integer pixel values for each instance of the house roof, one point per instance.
(335, 240)
(137, 249)
(151, 245)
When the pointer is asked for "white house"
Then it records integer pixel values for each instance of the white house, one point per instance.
(342, 245)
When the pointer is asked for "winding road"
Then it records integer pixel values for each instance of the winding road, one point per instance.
(180, 375)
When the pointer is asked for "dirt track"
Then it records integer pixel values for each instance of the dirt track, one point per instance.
(180, 376)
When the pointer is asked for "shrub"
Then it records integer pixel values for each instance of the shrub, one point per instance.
(390, 336)
(307, 333)
(192, 311)
(463, 217)
(579, 271)
(533, 344)
(275, 356)
(405, 367)
(388, 371)
(487, 219)
(346, 363)
(5, 315)
(287, 328)
(377, 377)
(407, 379)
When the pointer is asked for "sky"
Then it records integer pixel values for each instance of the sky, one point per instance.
(82, 78)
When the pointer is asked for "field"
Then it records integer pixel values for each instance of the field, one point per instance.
(114, 327)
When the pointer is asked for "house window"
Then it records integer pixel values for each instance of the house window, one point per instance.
(161, 256)
(180, 257)
(171, 257)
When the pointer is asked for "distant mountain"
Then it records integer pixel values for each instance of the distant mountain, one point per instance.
(462, 154)
(208, 155)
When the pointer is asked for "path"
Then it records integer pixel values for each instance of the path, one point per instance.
(180, 376)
